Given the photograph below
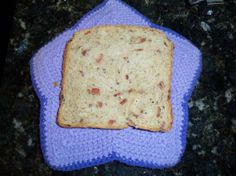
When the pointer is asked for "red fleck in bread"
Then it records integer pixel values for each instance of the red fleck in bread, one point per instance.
(117, 76)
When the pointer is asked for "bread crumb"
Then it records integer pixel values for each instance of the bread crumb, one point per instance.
(55, 84)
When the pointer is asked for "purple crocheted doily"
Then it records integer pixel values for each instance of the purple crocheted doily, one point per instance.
(70, 149)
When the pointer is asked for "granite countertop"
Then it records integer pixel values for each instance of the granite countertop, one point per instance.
(211, 148)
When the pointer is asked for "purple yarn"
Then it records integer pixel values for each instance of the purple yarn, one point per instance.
(71, 149)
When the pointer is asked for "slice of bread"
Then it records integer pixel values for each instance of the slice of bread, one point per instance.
(117, 76)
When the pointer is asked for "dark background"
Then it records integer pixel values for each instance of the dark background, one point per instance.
(211, 148)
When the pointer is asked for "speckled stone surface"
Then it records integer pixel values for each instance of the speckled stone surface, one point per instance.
(211, 148)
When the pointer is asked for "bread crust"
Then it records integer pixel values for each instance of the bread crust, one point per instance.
(169, 101)
(60, 120)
